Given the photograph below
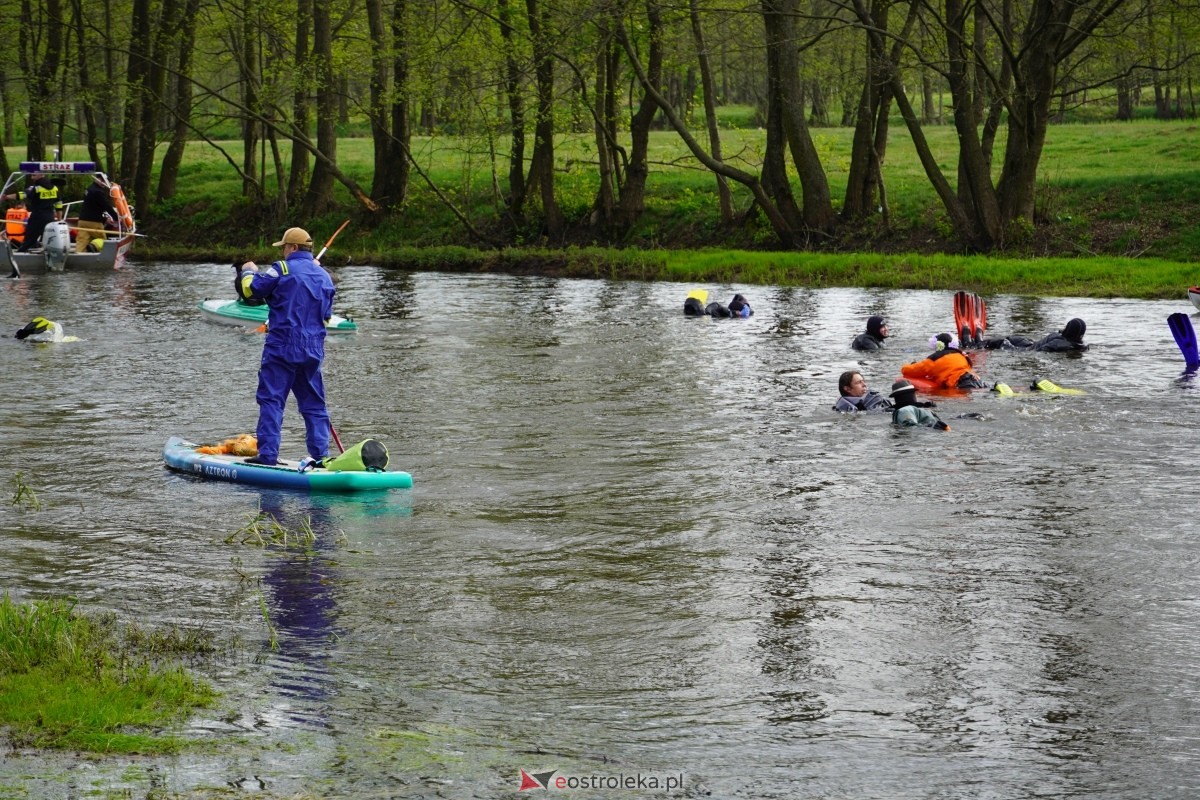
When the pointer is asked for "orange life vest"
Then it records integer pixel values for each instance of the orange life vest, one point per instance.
(14, 224)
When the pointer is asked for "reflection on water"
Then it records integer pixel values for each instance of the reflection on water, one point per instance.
(638, 543)
(300, 583)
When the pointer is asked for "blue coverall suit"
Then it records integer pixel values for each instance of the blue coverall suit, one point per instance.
(299, 295)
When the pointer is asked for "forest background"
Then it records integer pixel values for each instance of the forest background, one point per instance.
(501, 132)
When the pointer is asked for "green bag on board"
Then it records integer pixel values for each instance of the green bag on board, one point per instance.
(369, 455)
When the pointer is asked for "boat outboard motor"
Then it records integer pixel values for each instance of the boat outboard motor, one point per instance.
(56, 241)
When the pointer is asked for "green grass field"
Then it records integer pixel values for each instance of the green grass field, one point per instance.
(1124, 194)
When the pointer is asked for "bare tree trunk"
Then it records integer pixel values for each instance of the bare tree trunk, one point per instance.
(975, 188)
(516, 113)
(320, 188)
(109, 92)
(85, 84)
(1124, 99)
(928, 113)
(774, 169)
(1029, 117)
(977, 69)
(1055, 32)
(631, 199)
(251, 81)
(1003, 87)
(607, 152)
(136, 75)
(298, 173)
(400, 169)
(40, 69)
(6, 102)
(860, 181)
(778, 223)
(380, 109)
(780, 17)
(959, 219)
(541, 163)
(168, 175)
(724, 202)
(155, 89)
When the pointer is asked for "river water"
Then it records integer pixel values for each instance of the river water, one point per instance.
(639, 546)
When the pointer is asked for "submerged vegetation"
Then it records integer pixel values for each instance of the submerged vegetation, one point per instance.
(75, 681)
(263, 529)
(23, 496)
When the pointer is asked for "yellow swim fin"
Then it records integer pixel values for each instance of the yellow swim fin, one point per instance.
(699, 294)
(1049, 387)
(1004, 390)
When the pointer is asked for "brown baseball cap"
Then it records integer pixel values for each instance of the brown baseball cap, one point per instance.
(294, 236)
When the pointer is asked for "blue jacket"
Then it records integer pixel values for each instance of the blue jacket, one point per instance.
(299, 295)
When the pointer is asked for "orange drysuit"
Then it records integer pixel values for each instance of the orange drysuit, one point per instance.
(945, 368)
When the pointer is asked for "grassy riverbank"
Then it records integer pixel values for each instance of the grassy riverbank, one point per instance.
(72, 681)
(1141, 278)
(1118, 204)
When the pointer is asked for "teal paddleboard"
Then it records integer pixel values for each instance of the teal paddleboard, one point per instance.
(232, 312)
(180, 455)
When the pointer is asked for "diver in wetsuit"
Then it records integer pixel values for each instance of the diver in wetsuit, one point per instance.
(855, 396)
(1068, 340)
(41, 330)
(908, 412)
(872, 338)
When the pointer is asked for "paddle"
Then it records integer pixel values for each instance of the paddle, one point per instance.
(341, 228)
(1185, 337)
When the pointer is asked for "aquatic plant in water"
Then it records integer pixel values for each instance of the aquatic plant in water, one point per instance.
(22, 495)
(263, 529)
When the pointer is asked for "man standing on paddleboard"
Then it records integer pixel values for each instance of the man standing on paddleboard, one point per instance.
(299, 295)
